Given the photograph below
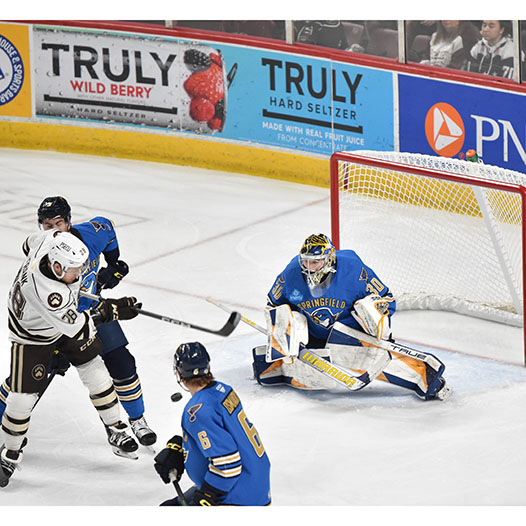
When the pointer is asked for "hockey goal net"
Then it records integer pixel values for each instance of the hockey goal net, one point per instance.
(443, 234)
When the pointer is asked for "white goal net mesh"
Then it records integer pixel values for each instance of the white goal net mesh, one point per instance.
(437, 244)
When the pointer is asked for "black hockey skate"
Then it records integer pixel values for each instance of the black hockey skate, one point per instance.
(122, 444)
(142, 431)
(9, 461)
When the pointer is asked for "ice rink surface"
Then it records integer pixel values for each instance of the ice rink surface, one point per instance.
(187, 234)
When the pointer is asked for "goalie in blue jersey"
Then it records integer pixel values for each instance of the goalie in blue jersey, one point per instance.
(320, 293)
(225, 457)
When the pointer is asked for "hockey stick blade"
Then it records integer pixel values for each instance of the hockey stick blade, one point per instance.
(226, 330)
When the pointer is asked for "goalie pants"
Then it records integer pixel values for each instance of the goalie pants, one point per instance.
(30, 379)
(121, 366)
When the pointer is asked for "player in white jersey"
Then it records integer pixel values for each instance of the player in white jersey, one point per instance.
(43, 318)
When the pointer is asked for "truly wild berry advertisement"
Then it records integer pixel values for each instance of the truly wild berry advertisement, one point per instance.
(238, 93)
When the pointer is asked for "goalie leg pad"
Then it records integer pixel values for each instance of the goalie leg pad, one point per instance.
(407, 372)
(297, 374)
(355, 355)
(286, 331)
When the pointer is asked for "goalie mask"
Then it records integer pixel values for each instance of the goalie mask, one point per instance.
(317, 259)
(53, 207)
(67, 250)
(191, 360)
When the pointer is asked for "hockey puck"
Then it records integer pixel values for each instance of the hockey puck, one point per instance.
(176, 397)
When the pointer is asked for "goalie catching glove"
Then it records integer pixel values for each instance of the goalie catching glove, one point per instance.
(110, 276)
(286, 331)
(372, 313)
(120, 309)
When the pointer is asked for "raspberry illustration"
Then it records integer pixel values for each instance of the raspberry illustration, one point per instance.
(215, 58)
(215, 123)
(201, 109)
(207, 84)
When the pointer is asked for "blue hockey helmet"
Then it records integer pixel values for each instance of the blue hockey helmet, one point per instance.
(191, 360)
(317, 258)
(52, 207)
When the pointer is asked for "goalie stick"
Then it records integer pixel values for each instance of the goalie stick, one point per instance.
(391, 346)
(226, 330)
(341, 375)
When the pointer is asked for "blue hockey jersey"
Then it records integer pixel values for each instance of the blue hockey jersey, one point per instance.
(223, 448)
(332, 300)
(98, 234)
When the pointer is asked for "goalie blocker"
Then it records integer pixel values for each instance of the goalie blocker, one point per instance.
(275, 363)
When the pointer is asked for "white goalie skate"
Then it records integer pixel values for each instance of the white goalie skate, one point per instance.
(122, 444)
(444, 392)
(142, 431)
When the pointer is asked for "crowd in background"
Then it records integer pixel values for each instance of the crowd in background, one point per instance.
(480, 46)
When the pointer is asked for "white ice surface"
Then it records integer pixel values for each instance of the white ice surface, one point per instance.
(187, 234)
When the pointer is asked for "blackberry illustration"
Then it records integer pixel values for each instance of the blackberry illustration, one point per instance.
(196, 60)
(220, 109)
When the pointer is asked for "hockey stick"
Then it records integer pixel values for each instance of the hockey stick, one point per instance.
(226, 330)
(391, 346)
(178, 489)
(340, 375)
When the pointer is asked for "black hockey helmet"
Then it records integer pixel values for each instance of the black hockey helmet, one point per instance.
(52, 207)
(191, 360)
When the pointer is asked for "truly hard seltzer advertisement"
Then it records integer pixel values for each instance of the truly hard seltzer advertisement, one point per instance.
(121, 78)
(307, 103)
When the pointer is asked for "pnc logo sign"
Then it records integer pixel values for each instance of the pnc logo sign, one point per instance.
(444, 129)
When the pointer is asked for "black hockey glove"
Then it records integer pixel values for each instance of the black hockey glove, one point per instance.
(207, 496)
(110, 276)
(59, 363)
(171, 460)
(121, 309)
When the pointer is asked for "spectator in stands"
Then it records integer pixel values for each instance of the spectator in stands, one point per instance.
(327, 33)
(493, 54)
(450, 44)
(414, 28)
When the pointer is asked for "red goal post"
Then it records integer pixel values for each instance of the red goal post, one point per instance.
(443, 234)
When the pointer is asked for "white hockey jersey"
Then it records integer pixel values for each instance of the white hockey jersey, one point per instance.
(42, 308)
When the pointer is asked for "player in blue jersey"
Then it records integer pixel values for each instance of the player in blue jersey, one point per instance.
(225, 457)
(322, 286)
(99, 236)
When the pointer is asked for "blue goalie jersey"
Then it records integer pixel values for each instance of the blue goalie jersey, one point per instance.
(223, 448)
(333, 300)
(98, 234)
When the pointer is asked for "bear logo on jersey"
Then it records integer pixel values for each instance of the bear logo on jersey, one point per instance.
(54, 300)
(38, 372)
